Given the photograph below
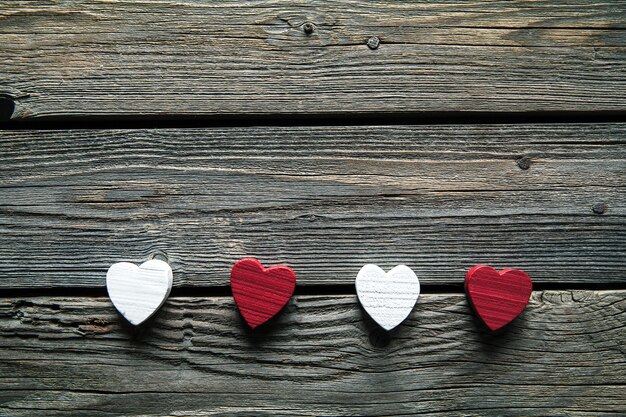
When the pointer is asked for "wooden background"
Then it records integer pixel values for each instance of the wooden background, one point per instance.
(200, 132)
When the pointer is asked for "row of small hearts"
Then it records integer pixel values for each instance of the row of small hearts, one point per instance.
(260, 293)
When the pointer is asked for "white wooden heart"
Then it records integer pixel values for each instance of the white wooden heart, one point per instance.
(387, 297)
(139, 291)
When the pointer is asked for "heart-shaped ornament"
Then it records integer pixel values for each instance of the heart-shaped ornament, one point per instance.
(259, 292)
(497, 297)
(388, 297)
(139, 291)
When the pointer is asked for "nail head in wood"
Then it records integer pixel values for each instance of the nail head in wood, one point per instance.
(523, 163)
(308, 28)
(373, 42)
(599, 208)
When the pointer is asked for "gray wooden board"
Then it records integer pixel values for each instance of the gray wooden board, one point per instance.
(325, 200)
(73, 356)
(191, 57)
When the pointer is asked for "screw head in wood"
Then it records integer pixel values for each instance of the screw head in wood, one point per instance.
(373, 42)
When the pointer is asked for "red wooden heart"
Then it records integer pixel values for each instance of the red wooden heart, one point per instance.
(260, 293)
(497, 297)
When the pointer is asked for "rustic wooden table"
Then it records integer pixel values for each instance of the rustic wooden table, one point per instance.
(323, 134)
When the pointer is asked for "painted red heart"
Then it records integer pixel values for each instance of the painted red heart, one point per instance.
(259, 292)
(497, 297)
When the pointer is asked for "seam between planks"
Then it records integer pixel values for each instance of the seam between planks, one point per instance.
(309, 290)
(294, 120)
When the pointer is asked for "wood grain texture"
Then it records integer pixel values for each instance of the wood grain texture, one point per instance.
(72, 356)
(324, 200)
(190, 57)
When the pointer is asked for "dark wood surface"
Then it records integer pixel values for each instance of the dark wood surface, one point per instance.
(325, 200)
(164, 58)
(200, 132)
(71, 356)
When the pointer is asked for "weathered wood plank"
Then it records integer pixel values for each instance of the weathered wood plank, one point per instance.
(60, 58)
(326, 200)
(72, 356)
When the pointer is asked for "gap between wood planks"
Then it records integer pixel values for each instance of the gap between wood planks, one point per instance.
(341, 289)
(311, 119)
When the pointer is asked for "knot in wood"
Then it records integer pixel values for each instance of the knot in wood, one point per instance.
(160, 256)
(379, 338)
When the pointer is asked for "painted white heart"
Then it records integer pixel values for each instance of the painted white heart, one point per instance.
(139, 291)
(387, 297)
